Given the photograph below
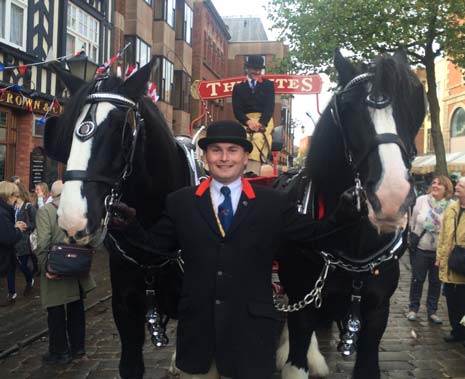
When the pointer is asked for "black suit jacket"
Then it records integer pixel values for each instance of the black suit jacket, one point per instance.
(226, 310)
(261, 100)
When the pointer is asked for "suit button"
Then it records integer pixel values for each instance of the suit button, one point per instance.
(217, 302)
(220, 273)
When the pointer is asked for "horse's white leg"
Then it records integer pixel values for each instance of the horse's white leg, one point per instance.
(315, 360)
(173, 369)
(283, 350)
(292, 372)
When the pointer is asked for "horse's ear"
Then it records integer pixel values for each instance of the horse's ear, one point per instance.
(56, 144)
(136, 85)
(71, 82)
(345, 69)
(401, 56)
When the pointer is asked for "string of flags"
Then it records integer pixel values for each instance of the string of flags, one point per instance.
(52, 105)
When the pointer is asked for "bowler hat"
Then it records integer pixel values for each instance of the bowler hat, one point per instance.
(226, 131)
(255, 61)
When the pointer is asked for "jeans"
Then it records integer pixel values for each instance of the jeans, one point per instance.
(455, 297)
(66, 323)
(23, 266)
(11, 277)
(422, 263)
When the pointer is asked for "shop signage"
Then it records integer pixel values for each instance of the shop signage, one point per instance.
(36, 167)
(18, 100)
(283, 84)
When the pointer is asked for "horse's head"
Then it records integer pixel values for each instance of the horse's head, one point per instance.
(377, 113)
(96, 138)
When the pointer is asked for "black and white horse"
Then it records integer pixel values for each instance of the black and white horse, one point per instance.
(365, 138)
(116, 143)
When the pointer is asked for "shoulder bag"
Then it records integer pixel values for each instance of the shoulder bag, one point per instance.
(69, 260)
(414, 239)
(456, 260)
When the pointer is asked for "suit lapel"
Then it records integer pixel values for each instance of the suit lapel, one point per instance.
(205, 206)
(244, 208)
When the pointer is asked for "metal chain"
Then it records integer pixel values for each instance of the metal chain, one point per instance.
(313, 296)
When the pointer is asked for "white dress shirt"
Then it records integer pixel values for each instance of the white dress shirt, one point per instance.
(217, 196)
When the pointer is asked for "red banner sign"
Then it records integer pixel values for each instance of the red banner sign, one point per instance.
(283, 84)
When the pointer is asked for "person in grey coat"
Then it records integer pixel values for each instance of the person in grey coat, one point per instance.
(62, 297)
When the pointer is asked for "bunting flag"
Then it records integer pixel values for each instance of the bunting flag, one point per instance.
(152, 91)
(41, 121)
(101, 70)
(55, 103)
(2, 67)
(22, 69)
(130, 69)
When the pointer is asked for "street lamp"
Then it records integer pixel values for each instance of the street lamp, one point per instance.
(82, 67)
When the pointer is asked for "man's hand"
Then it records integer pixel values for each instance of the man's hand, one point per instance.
(122, 216)
(51, 276)
(346, 210)
(254, 125)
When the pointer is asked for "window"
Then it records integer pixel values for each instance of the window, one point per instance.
(37, 127)
(188, 22)
(184, 25)
(166, 10)
(458, 123)
(181, 97)
(163, 78)
(142, 52)
(82, 33)
(13, 22)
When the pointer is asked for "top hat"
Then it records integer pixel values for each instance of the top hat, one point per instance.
(255, 61)
(226, 131)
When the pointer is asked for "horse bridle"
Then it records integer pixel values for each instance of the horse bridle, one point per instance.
(87, 129)
(378, 102)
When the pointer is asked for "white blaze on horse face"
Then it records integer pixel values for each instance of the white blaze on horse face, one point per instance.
(393, 186)
(72, 213)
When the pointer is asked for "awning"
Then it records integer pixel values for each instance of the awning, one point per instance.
(425, 164)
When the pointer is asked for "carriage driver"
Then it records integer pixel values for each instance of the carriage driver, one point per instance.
(229, 233)
(253, 106)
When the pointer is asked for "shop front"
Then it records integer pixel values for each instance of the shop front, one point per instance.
(21, 131)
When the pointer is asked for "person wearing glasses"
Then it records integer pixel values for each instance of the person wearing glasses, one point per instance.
(11, 233)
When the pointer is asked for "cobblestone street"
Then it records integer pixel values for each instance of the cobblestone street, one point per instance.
(408, 350)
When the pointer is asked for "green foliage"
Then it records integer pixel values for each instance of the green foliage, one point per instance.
(314, 28)
(424, 29)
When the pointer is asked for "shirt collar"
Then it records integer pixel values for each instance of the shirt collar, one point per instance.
(246, 187)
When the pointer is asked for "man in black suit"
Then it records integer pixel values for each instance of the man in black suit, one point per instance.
(228, 232)
(253, 106)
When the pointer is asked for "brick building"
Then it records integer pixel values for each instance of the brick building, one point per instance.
(210, 55)
(29, 30)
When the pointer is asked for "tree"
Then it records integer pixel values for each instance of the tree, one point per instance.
(424, 29)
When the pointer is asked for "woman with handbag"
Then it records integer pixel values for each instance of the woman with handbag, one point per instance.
(61, 296)
(453, 234)
(11, 233)
(426, 222)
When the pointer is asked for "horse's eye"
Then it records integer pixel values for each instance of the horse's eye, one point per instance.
(85, 130)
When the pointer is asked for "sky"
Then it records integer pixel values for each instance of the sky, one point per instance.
(302, 104)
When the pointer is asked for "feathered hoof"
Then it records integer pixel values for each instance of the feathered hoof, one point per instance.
(315, 360)
(292, 372)
(283, 350)
(173, 369)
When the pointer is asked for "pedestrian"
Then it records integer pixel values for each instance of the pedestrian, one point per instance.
(26, 212)
(426, 221)
(61, 296)
(15, 179)
(43, 194)
(253, 105)
(11, 233)
(453, 233)
(228, 232)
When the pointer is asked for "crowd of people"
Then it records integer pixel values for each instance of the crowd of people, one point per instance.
(436, 220)
(21, 214)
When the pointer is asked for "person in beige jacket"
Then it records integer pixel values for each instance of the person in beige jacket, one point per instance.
(62, 297)
(452, 230)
